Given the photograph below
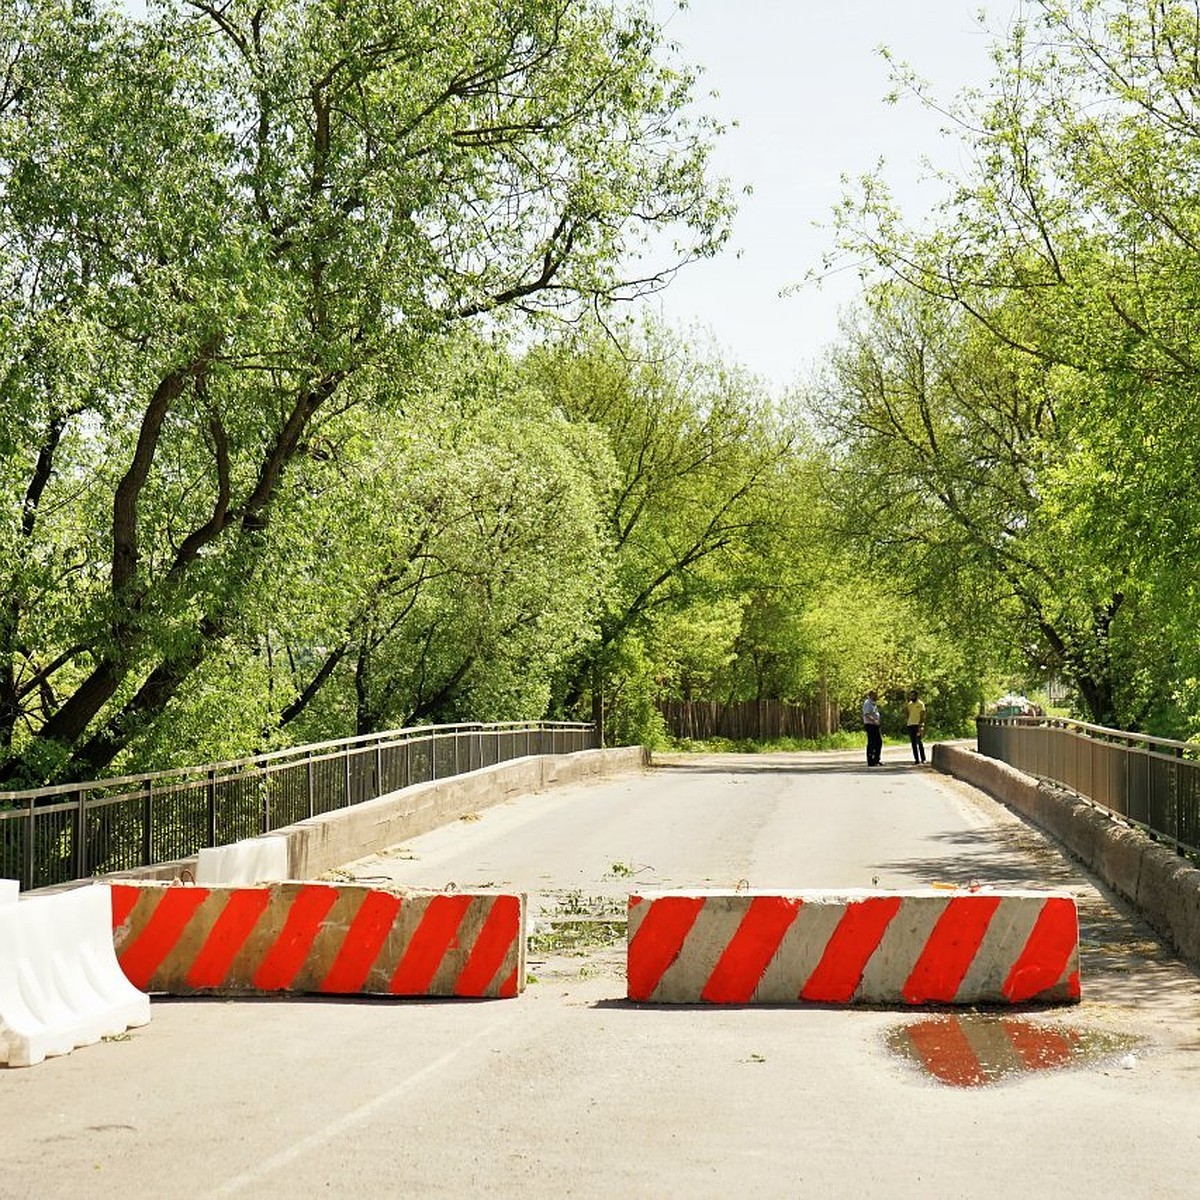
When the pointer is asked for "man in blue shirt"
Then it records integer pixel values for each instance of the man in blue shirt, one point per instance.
(872, 716)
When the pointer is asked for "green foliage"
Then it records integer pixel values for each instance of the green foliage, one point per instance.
(235, 237)
(839, 740)
(630, 691)
(1022, 390)
(273, 471)
(701, 453)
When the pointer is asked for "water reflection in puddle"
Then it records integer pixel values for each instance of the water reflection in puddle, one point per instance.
(975, 1049)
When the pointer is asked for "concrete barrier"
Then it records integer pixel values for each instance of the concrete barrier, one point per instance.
(9, 888)
(1162, 886)
(60, 986)
(319, 938)
(252, 860)
(927, 946)
(321, 843)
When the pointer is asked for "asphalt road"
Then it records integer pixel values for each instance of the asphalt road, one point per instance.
(570, 1091)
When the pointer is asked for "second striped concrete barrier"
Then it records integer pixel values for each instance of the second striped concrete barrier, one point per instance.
(319, 938)
(926, 946)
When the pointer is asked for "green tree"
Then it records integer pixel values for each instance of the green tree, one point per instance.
(438, 562)
(476, 556)
(218, 218)
(1067, 252)
(699, 450)
(948, 451)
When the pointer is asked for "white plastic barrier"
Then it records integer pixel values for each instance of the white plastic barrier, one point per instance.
(8, 891)
(244, 863)
(60, 985)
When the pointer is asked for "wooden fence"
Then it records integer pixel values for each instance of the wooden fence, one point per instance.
(748, 720)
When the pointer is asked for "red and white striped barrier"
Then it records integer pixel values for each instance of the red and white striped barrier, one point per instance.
(927, 946)
(319, 938)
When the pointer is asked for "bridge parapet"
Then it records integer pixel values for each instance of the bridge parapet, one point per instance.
(1161, 884)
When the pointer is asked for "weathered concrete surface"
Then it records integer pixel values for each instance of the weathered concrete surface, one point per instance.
(1162, 886)
(573, 1092)
(320, 844)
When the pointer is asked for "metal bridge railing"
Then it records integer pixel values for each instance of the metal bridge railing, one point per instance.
(1152, 782)
(54, 835)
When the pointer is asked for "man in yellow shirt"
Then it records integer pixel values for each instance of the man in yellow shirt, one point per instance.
(914, 718)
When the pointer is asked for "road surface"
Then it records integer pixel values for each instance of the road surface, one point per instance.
(570, 1091)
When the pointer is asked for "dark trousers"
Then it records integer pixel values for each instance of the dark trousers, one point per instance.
(918, 746)
(874, 745)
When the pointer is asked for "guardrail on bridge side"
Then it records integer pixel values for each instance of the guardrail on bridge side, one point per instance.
(1151, 782)
(56, 834)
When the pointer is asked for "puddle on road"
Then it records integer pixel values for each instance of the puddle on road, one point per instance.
(977, 1049)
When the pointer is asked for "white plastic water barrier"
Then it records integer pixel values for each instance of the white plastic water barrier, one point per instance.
(60, 984)
(244, 863)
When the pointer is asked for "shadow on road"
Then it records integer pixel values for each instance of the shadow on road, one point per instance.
(740, 765)
(1121, 957)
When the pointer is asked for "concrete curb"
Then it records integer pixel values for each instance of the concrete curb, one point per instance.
(1162, 886)
(322, 843)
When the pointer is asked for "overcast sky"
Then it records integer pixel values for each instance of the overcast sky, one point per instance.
(805, 82)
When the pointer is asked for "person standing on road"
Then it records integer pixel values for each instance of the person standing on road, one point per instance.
(914, 718)
(872, 716)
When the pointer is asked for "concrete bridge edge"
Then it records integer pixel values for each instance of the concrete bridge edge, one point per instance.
(1162, 887)
(320, 844)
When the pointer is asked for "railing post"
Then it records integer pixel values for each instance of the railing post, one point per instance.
(1126, 781)
(212, 808)
(30, 842)
(378, 788)
(312, 798)
(80, 856)
(433, 756)
(148, 826)
(1176, 799)
(346, 773)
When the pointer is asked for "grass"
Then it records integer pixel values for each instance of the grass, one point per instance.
(842, 740)
(578, 924)
(832, 741)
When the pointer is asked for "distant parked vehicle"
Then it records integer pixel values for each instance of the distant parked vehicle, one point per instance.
(1013, 705)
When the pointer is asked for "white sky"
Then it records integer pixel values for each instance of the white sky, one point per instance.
(806, 84)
